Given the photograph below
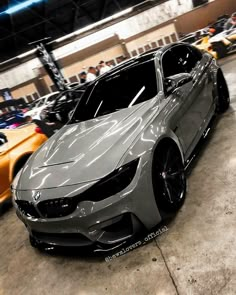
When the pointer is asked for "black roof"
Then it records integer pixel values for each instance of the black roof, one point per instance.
(133, 61)
(51, 18)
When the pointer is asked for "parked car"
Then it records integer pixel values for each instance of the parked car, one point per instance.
(40, 104)
(11, 120)
(219, 45)
(224, 42)
(204, 45)
(63, 105)
(16, 146)
(119, 163)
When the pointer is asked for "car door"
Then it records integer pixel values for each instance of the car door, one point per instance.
(203, 83)
(197, 64)
(184, 119)
(180, 59)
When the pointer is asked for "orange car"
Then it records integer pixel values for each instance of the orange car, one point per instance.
(14, 153)
(204, 45)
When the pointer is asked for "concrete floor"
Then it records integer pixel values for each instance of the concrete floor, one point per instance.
(197, 255)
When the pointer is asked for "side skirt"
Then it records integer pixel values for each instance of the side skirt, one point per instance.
(201, 143)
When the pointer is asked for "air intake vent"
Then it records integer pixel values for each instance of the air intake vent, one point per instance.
(27, 208)
(57, 207)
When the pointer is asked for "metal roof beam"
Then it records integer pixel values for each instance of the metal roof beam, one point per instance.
(84, 10)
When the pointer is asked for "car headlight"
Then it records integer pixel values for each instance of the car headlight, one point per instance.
(111, 184)
(106, 187)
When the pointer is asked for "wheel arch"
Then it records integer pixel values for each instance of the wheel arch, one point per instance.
(18, 164)
(166, 141)
(221, 90)
(221, 78)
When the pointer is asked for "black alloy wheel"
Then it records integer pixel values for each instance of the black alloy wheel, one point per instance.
(169, 180)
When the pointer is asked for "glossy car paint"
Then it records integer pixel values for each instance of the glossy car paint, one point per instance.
(22, 142)
(81, 154)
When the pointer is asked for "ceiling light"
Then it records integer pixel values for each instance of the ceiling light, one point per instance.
(21, 6)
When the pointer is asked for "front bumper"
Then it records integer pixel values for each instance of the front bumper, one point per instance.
(109, 221)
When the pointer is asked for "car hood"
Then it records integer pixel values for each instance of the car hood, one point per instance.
(85, 151)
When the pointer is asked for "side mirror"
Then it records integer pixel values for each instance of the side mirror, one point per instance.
(3, 138)
(173, 82)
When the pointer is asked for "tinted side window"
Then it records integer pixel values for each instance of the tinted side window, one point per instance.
(180, 59)
(197, 55)
(52, 97)
(186, 57)
(170, 64)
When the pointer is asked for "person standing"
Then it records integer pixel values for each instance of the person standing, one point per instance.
(231, 23)
(103, 67)
(91, 75)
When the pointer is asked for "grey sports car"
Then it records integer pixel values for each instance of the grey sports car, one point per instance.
(119, 164)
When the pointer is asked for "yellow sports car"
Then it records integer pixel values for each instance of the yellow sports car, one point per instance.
(224, 42)
(204, 45)
(219, 45)
(16, 146)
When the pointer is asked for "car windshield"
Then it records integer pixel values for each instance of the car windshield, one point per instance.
(37, 103)
(40, 103)
(68, 97)
(116, 91)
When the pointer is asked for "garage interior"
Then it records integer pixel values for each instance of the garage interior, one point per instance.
(196, 254)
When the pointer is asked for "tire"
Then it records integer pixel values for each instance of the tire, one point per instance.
(223, 99)
(169, 180)
(221, 49)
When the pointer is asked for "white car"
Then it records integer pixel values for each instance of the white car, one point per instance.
(40, 104)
